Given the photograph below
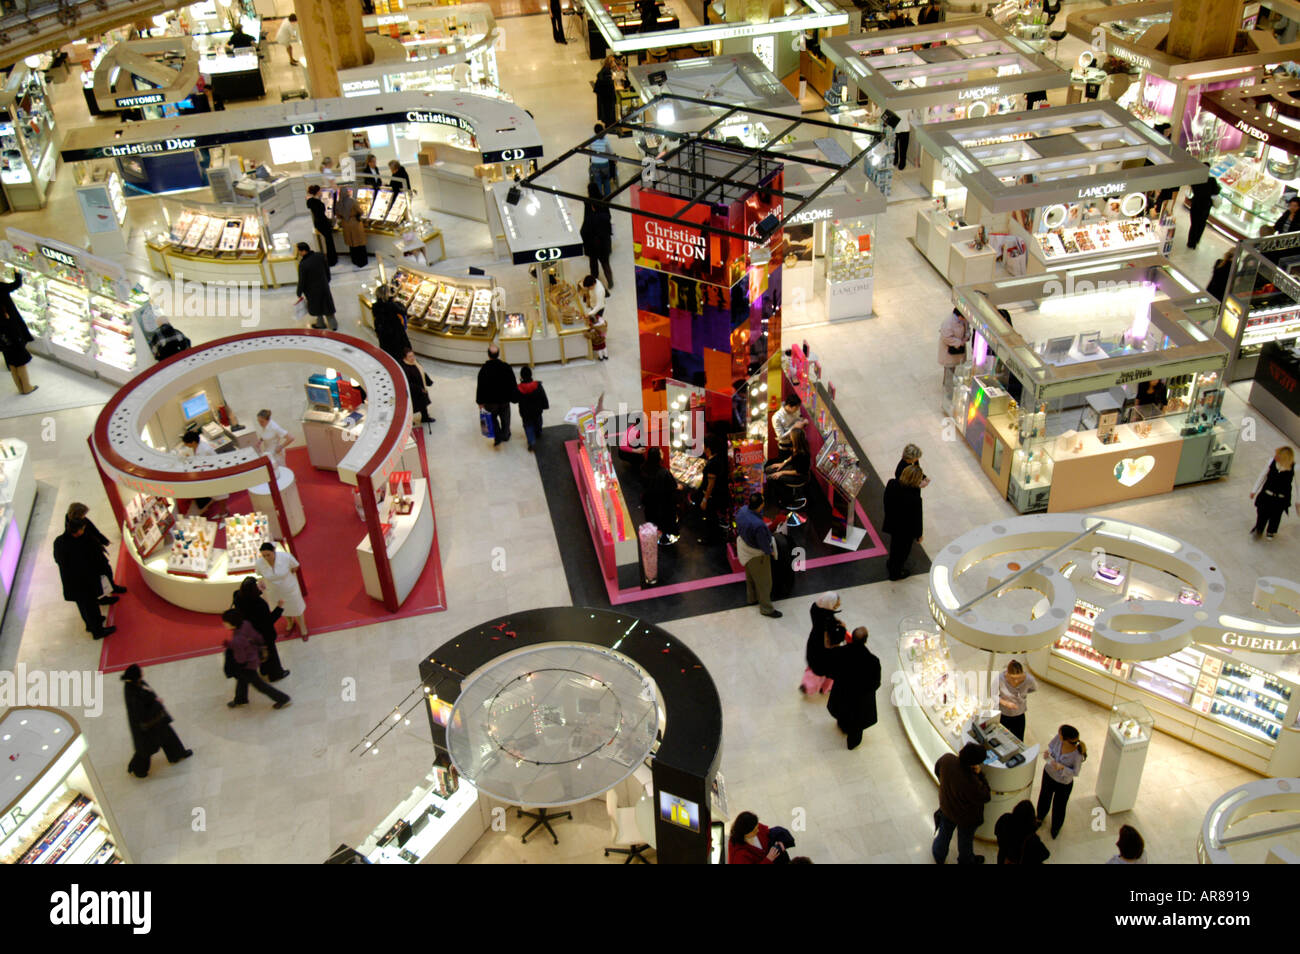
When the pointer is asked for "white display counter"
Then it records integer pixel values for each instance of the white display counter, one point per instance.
(17, 496)
(259, 496)
(408, 550)
(200, 594)
(442, 838)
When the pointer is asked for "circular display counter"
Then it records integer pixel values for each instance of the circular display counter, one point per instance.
(1272, 795)
(607, 692)
(127, 461)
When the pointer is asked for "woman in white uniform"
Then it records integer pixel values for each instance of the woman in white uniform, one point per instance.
(194, 444)
(276, 568)
(272, 439)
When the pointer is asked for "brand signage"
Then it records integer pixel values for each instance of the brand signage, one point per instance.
(979, 92)
(677, 244)
(439, 118)
(1109, 188)
(552, 253)
(1281, 645)
(54, 255)
(1128, 56)
(1250, 130)
(806, 216)
(360, 87)
(147, 148)
(144, 99)
(1137, 374)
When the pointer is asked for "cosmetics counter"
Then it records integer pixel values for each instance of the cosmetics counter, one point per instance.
(54, 806)
(27, 153)
(1052, 403)
(1055, 181)
(443, 48)
(1262, 302)
(209, 242)
(1276, 389)
(608, 518)
(80, 309)
(453, 319)
(963, 69)
(17, 497)
(437, 823)
(939, 709)
(103, 208)
(626, 17)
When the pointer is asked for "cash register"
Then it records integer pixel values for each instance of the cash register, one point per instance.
(998, 739)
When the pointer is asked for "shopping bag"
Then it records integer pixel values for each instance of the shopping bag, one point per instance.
(648, 537)
(300, 310)
(813, 684)
(485, 424)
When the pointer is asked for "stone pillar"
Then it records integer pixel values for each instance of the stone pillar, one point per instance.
(1201, 30)
(332, 40)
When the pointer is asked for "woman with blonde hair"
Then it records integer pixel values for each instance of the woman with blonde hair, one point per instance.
(903, 517)
(1272, 493)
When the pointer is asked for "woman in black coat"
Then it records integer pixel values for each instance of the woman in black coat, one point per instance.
(399, 178)
(95, 540)
(903, 518)
(417, 382)
(597, 233)
(856, 672)
(150, 724)
(248, 600)
(606, 95)
(314, 286)
(14, 336)
(1218, 285)
(322, 224)
(659, 495)
(390, 324)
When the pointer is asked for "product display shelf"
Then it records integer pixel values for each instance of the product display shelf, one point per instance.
(17, 498)
(449, 318)
(407, 520)
(433, 825)
(850, 268)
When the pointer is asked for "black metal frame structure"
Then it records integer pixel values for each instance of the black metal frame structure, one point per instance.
(685, 162)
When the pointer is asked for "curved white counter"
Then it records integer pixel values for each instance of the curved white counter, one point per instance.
(210, 594)
(17, 496)
(408, 551)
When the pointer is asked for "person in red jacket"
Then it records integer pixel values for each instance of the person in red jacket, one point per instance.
(750, 843)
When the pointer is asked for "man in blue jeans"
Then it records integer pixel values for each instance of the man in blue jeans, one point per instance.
(602, 172)
(963, 793)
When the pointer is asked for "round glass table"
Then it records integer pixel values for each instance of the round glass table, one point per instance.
(553, 724)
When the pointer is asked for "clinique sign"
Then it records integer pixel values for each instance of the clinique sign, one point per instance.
(679, 244)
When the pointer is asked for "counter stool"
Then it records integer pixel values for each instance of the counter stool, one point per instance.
(702, 49)
(543, 820)
(657, 55)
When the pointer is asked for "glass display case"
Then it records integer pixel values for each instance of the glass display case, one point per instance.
(1262, 302)
(446, 317)
(27, 153)
(1255, 182)
(1130, 723)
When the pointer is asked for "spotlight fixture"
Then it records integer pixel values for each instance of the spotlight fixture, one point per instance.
(768, 225)
(658, 78)
(514, 195)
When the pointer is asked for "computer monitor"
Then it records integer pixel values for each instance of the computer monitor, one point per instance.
(319, 395)
(195, 407)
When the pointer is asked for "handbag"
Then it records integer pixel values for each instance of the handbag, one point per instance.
(485, 424)
(300, 309)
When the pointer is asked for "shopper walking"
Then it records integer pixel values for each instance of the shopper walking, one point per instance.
(1014, 686)
(389, 319)
(322, 223)
(276, 568)
(606, 94)
(1218, 283)
(751, 843)
(593, 296)
(855, 671)
(904, 518)
(496, 391)
(755, 549)
(601, 171)
(1065, 755)
(1289, 221)
(14, 335)
(911, 455)
(245, 653)
(953, 335)
(1017, 835)
(827, 632)
(98, 544)
(287, 36)
(557, 22)
(1132, 848)
(930, 13)
(963, 793)
(1272, 492)
(314, 287)
(79, 561)
(348, 214)
(714, 495)
(249, 602)
(532, 402)
(1202, 200)
(659, 497)
(151, 724)
(902, 136)
(417, 382)
(167, 341)
(597, 235)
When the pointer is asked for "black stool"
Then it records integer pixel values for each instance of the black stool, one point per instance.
(543, 820)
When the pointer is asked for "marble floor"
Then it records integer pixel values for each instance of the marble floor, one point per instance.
(269, 787)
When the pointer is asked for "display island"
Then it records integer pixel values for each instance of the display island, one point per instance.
(1261, 304)
(453, 319)
(1092, 391)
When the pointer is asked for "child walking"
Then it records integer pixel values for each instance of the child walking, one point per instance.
(532, 402)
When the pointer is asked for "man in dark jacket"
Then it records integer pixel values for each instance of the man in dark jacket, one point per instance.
(856, 672)
(1203, 194)
(963, 793)
(314, 285)
(79, 561)
(167, 341)
(390, 324)
(98, 543)
(496, 392)
(151, 724)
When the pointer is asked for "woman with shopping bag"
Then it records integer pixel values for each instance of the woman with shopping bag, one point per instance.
(828, 631)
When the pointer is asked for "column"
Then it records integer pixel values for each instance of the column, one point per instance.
(332, 40)
(1201, 30)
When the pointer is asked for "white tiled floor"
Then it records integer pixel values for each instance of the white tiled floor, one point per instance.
(284, 787)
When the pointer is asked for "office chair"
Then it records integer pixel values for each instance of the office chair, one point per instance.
(623, 831)
(543, 820)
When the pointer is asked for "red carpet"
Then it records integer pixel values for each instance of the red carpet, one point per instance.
(152, 631)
